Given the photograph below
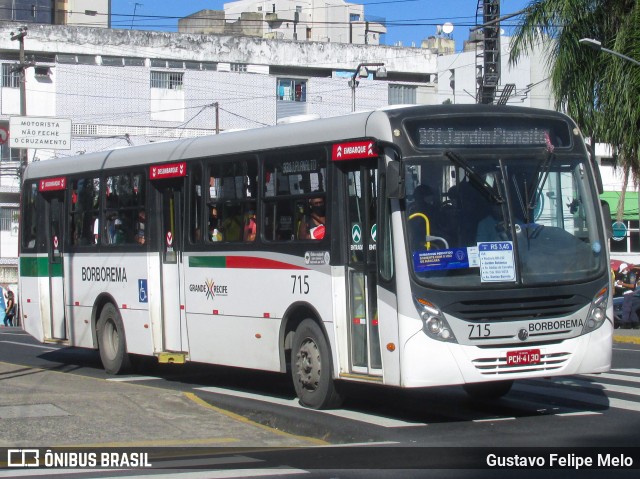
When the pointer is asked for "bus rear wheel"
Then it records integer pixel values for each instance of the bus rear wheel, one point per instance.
(311, 368)
(491, 390)
(112, 342)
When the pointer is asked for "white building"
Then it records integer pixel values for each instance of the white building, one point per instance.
(333, 21)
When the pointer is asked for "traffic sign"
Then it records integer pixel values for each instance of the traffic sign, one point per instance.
(619, 231)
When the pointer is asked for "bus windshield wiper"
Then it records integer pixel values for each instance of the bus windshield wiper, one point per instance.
(474, 177)
(540, 179)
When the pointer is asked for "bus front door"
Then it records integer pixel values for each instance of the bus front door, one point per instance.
(364, 339)
(54, 202)
(173, 309)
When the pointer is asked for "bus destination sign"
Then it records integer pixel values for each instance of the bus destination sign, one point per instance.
(354, 150)
(53, 184)
(170, 170)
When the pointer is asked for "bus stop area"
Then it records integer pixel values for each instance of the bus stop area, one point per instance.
(45, 408)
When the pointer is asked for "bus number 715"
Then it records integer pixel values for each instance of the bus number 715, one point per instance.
(300, 283)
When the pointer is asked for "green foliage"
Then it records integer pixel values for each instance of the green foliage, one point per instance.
(597, 89)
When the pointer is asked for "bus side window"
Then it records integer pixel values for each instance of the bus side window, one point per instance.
(232, 201)
(84, 211)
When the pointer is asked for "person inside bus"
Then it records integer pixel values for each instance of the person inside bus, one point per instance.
(118, 232)
(250, 226)
(232, 224)
(312, 225)
(140, 227)
(214, 225)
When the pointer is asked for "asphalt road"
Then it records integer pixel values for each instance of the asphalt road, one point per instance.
(54, 396)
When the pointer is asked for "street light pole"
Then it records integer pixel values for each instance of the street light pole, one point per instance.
(353, 83)
(597, 45)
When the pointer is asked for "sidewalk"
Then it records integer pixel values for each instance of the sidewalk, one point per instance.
(46, 408)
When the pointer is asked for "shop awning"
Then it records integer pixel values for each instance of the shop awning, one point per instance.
(630, 203)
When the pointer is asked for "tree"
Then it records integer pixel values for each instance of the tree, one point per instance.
(599, 91)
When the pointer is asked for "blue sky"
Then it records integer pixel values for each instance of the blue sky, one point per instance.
(408, 21)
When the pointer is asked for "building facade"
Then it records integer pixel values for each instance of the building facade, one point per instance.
(334, 21)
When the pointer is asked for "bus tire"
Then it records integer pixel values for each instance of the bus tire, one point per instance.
(490, 390)
(311, 368)
(112, 342)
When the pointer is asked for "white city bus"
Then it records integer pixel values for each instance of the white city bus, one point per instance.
(193, 250)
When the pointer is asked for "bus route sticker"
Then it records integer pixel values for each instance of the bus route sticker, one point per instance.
(496, 262)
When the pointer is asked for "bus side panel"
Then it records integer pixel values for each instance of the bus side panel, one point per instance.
(235, 306)
(242, 341)
(119, 276)
(30, 297)
(388, 327)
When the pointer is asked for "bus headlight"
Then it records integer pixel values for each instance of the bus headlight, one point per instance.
(597, 312)
(433, 323)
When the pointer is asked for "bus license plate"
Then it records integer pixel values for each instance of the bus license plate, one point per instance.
(521, 358)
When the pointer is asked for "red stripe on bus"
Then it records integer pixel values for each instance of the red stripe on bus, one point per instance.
(249, 262)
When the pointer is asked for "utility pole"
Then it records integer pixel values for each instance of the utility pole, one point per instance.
(22, 67)
(217, 107)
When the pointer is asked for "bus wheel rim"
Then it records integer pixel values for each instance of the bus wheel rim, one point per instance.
(309, 365)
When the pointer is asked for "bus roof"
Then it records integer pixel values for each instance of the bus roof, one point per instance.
(369, 124)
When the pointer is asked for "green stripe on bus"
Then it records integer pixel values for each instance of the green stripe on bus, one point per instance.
(208, 261)
(39, 267)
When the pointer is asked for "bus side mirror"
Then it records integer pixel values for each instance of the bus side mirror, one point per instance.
(606, 213)
(395, 181)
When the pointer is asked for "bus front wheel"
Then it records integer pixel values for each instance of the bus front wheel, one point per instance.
(112, 342)
(311, 368)
(490, 390)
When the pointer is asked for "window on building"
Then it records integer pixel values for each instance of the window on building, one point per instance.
(354, 17)
(10, 78)
(8, 218)
(9, 154)
(112, 61)
(292, 90)
(238, 67)
(167, 80)
(134, 62)
(402, 94)
(87, 59)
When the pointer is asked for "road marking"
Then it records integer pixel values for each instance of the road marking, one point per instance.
(132, 378)
(618, 377)
(30, 345)
(493, 419)
(601, 401)
(343, 413)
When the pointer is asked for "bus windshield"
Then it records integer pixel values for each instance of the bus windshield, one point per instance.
(524, 218)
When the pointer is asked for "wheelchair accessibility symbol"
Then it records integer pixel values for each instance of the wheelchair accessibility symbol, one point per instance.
(142, 291)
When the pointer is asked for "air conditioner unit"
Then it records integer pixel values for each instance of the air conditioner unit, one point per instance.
(42, 72)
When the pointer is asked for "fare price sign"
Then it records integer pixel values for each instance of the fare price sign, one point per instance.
(496, 261)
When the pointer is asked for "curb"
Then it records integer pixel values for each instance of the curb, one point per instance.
(626, 339)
